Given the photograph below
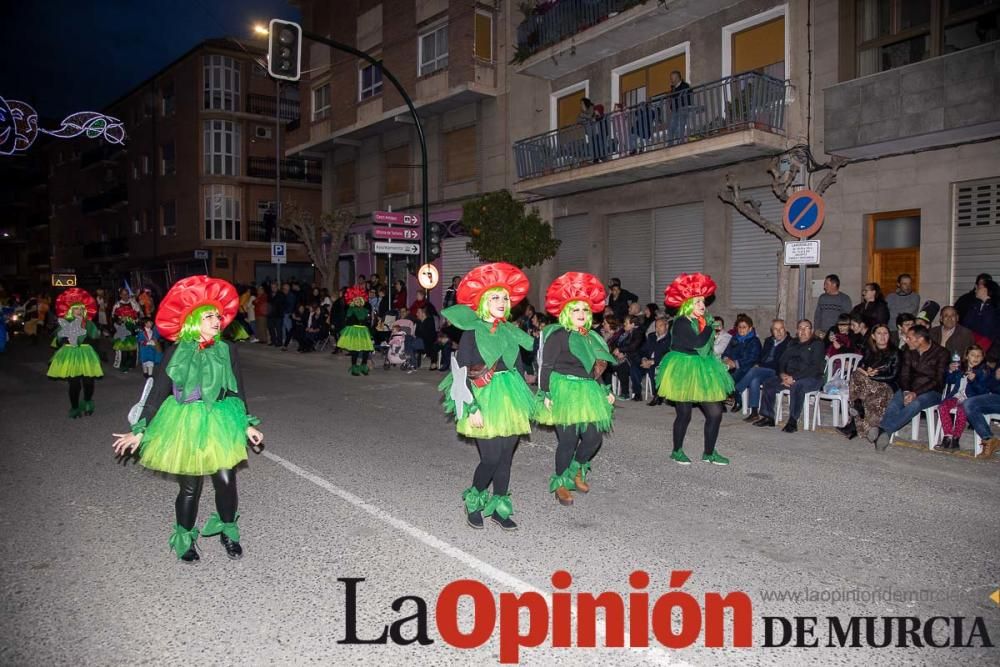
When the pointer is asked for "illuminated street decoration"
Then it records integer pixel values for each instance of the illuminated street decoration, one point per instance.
(19, 127)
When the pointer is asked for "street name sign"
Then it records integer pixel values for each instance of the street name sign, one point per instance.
(383, 248)
(391, 218)
(400, 233)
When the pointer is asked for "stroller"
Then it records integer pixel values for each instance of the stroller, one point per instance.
(400, 350)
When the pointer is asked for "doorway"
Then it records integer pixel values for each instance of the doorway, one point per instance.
(894, 248)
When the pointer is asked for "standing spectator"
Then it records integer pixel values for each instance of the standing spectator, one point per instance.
(653, 350)
(744, 348)
(872, 307)
(831, 305)
(426, 334)
(398, 300)
(450, 294)
(150, 347)
(983, 318)
(619, 299)
(921, 379)
(102, 309)
(383, 303)
(969, 299)
(904, 299)
(722, 337)
(800, 370)
(146, 302)
(774, 347)
(275, 315)
(971, 378)
(260, 315)
(953, 336)
(977, 407)
(872, 384)
(298, 330)
(680, 103)
(290, 306)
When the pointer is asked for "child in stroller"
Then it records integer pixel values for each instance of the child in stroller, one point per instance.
(400, 351)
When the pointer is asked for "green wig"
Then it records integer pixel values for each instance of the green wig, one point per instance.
(191, 329)
(565, 319)
(483, 309)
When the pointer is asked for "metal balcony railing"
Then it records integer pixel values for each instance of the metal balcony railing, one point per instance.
(106, 201)
(308, 171)
(258, 231)
(735, 103)
(552, 22)
(263, 105)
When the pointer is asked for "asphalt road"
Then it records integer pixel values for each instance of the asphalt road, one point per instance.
(361, 478)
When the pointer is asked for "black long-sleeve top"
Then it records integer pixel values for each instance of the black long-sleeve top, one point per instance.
(804, 360)
(556, 356)
(885, 362)
(685, 337)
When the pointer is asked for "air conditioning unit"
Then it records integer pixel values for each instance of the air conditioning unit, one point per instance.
(359, 242)
(262, 132)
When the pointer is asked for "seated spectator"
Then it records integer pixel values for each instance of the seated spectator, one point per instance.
(636, 311)
(904, 322)
(650, 312)
(766, 368)
(921, 379)
(872, 308)
(626, 352)
(976, 407)
(316, 329)
(872, 383)
(965, 380)
(860, 331)
(656, 346)
(447, 343)
(800, 370)
(982, 317)
(722, 337)
(953, 336)
(839, 339)
(743, 351)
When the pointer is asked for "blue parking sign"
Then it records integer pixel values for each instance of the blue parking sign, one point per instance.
(279, 253)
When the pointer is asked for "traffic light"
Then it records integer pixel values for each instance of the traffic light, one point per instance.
(284, 50)
(433, 241)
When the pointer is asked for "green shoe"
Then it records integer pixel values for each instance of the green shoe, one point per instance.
(355, 370)
(363, 368)
(75, 412)
(87, 407)
(680, 457)
(716, 458)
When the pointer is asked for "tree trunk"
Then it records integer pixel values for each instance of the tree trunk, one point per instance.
(783, 275)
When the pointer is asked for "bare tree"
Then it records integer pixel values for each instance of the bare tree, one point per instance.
(322, 238)
(782, 181)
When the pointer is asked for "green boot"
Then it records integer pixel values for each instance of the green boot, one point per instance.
(87, 407)
(580, 472)
(363, 368)
(229, 534)
(680, 457)
(355, 370)
(475, 501)
(500, 509)
(75, 412)
(182, 541)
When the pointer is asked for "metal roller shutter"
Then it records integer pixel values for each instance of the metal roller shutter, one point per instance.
(977, 233)
(455, 259)
(678, 243)
(754, 255)
(630, 254)
(573, 253)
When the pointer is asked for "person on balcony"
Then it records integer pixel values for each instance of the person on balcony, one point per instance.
(680, 104)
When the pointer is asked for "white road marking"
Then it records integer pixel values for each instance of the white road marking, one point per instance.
(509, 581)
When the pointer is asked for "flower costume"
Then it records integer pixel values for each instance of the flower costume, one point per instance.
(75, 360)
(356, 338)
(126, 322)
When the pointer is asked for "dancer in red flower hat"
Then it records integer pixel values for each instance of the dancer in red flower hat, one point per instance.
(573, 398)
(356, 338)
(195, 420)
(75, 360)
(690, 374)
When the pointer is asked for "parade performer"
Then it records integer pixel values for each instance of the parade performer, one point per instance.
(75, 360)
(356, 338)
(573, 399)
(150, 347)
(690, 373)
(485, 390)
(195, 421)
(126, 321)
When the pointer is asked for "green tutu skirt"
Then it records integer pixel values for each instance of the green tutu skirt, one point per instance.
(692, 378)
(506, 404)
(355, 338)
(575, 400)
(125, 344)
(190, 439)
(74, 362)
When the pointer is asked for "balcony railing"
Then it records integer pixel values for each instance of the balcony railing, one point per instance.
(744, 101)
(263, 105)
(106, 201)
(110, 248)
(259, 231)
(305, 170)
(555, 21)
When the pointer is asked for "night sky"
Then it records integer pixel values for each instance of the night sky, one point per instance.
(63, 56)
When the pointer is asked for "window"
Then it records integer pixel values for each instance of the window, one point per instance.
(344, 182)
(433, 50)
(222, 148)
(760, 49)
(321, 101)
(370, 81)
(168, 219)
(135, 171)
(397, 170)
(222, 213)
(566, 105)
(460, 155)
(222, 83)
(648, 77)
(145, 165)
(136, 225)
(484, 36)
(167, 100)
(167, 162)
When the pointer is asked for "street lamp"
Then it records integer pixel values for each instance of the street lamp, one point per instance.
(259, 29)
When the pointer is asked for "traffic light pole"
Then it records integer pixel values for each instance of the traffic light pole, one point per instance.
(424, 214)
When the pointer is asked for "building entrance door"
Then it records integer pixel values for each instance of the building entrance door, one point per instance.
(894, 248)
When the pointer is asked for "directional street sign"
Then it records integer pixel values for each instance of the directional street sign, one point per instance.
(401, 233)
(383, 248)
(386, 217)
(279, 253)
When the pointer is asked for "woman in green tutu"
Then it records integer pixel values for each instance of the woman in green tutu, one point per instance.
(485, 390)
(573, 399)
(195, 421)
(125, 317)
(690, 373)
(75, 360)
(356, 338)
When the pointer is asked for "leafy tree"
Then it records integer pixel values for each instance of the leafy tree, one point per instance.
(503, 231)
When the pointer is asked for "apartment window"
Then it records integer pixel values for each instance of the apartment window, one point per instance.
(222, 83)
(397, 170)
(567, 106)
(433, 48)
(222, 213)
(321, 101)
(168, 219)
(646, 78)
(759, 48)
(222, 148)
(136, 225)
(370, 81)
(167, 100)
(135, 171)
(460, 155)
(484, 36)
(145, 165)
(168, 166)
(344, 179)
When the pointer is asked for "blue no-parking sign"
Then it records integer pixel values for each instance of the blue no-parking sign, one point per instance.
(804, 213)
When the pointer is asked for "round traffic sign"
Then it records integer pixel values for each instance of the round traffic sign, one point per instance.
(804, 213)
(427, 276)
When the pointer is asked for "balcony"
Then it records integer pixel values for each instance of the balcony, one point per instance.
(937, 102)
(105, 249)
(258, 232)
(292, 169)
(108, 201)
(736, 118)
(264, 105)
(564, 35)
(38, 259)
(101, 154)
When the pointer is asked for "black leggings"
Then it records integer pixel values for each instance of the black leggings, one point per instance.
(362, 355)
(590, 441)
(713, 420)
(226, 500)
(74, 390)
(495, 455)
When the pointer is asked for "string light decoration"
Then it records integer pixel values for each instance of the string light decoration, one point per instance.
(19, 127)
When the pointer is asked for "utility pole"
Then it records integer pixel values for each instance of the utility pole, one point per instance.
(276, 236)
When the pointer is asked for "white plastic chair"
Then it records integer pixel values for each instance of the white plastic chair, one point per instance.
(933, 429)
(647, 388)
(978, 442)
(844, 365)
(778, 402)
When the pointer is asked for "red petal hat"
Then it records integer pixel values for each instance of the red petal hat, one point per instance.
(126, 312)
(355, 292)
(190, 293)
(499, 274)
(73, 296)
(574, 286)
(687, 286)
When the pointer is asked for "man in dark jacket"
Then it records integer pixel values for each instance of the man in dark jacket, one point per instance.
(275, 313)
(653, 350)
(619, 299)
(766, 368)
(800, 370)
(921, 379)
(968, 300)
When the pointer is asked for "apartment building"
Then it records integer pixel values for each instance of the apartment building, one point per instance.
(189, 190)
(25, 248)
